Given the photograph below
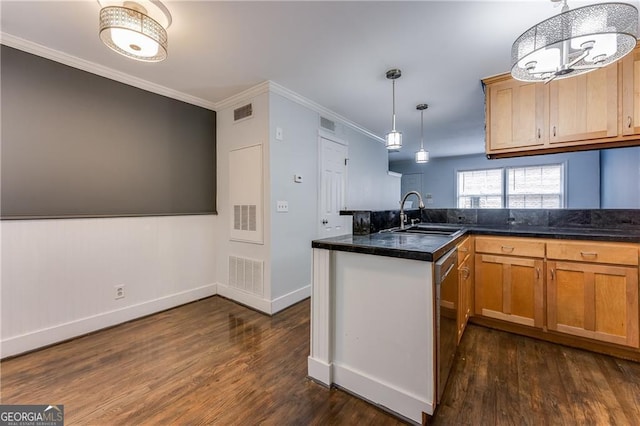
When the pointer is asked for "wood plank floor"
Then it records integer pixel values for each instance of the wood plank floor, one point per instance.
(215, 362)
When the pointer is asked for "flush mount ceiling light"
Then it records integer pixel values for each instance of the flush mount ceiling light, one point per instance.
(393, 140)
(136, 30)
(422, 156)
(575, 41)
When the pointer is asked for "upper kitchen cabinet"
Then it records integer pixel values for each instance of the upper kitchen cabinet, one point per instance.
(584, 107)
(516, 114)
(599, 109)
(631, 93)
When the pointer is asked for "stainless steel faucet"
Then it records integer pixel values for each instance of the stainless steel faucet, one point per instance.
(403, 216)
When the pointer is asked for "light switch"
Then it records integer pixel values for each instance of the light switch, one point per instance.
(282, 206)
(297, 178)
(279, 135)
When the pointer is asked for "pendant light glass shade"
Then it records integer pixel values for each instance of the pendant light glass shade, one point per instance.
(130, 32)
(422, 156)
(575, 42)
(393, 139)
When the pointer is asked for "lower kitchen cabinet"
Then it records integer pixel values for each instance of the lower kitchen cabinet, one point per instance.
(510, 288)
(596, 301)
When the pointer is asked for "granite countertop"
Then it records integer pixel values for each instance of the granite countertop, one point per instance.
(390, 244)
(564, 233)
(431, 247)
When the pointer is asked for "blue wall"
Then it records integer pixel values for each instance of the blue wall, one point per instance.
(620, 178)
(439, 175)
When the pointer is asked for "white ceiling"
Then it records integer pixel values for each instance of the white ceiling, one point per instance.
(332, 52)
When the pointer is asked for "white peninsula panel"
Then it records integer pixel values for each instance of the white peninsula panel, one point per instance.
(373, 329)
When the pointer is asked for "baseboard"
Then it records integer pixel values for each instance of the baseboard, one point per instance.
(290, 299)
(319, 371)
(44, 337)
(248, 299)
(383, 394)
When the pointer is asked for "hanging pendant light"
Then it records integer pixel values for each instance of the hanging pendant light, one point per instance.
(422, 156)
(575, 42)
(393, 139)
(129, 28)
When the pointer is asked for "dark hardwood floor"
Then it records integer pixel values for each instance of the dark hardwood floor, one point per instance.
(215, 362)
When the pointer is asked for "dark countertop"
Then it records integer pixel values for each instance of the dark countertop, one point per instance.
(390, 244)
(431, 247)
(566, 233)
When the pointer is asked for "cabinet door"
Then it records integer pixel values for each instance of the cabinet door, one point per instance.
(595, 301)
(465, 294)
(510, 289)
(515, 115)
(584, 107)
(631, 93)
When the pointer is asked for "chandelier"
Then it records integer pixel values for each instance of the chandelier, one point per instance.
(575, 41)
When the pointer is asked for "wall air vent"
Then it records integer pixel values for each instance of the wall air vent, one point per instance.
(244, 217)
(327, 124)
(243, 112)
(246, 274)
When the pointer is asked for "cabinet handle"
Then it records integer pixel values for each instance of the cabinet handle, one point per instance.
(589, 254)
(553, 275)
(629, 122)
(508, 249)
(466, 272)
(554, 131)
(463, 249)
(539, 135)
(537, 273)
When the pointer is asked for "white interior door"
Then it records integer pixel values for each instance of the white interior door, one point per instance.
(333, 170)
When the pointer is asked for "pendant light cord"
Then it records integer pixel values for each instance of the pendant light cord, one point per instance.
(421, 129)
(393, 95)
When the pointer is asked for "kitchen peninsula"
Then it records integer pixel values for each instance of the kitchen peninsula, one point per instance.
(374, 319)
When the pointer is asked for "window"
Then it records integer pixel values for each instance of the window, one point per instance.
(528, 187)
(535, 187)
(480, 189)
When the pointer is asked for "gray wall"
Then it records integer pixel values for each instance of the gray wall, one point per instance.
(77, 144)
(620, 178)
(439, 175)
(369, 187)
(292, 232)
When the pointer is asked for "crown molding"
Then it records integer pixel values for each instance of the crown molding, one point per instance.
(82, 64)
(243, 96)
(325, 112)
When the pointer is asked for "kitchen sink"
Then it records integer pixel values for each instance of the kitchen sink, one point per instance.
(443, 230)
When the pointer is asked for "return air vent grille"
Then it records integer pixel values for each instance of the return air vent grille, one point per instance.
(244, 217)
(246, 274)
(243, 112)
(327, 124)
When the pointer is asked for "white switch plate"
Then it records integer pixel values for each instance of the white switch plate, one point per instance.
(297, 178)
(279, 135)
(282, 206)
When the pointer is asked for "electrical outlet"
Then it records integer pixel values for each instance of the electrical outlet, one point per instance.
(119, 292)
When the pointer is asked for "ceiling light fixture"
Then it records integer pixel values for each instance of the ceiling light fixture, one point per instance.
(136, 30)
(422, 156)
(575, 42)
(393, 139)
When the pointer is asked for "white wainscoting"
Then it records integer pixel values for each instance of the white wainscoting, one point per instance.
(59, 276)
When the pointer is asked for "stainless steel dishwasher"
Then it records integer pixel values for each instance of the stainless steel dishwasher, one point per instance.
(446, 280)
